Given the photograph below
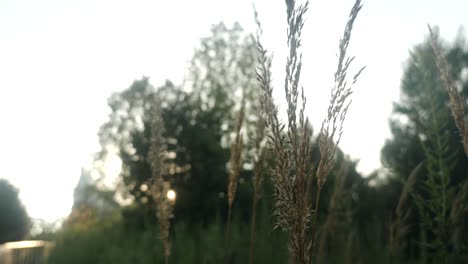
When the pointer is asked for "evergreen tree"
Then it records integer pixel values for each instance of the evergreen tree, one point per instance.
(424, 133)
(408, 123)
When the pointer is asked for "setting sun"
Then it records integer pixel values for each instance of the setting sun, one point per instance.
(171, 195)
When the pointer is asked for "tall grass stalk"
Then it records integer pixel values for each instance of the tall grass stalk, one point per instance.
(332, 126)
(399, 226)
(458, 214)
(457, 102)
(436, 197)
(258, 180)
(235, 165)
(293, 173)
(334, 206)
(258, 163)
(458, 109)
(433, 197)
(159, 186)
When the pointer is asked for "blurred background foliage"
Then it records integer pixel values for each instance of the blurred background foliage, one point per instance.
(118, 225)
(14, 221)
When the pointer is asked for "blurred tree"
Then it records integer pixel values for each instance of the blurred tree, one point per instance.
(424, 131)
(408, 124)
(221, 72)
(14, 221)
(124, 134)
(198, 121)
(196, 160)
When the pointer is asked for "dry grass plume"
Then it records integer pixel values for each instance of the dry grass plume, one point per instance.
(457, 102)
(290, 145)
(235, 165)
(159, 186)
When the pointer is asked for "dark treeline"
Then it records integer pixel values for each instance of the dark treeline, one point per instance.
(14, 220)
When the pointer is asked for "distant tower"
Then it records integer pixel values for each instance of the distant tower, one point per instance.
(80, 195)
(89, 199)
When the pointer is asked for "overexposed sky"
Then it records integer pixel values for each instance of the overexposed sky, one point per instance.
(61, 59)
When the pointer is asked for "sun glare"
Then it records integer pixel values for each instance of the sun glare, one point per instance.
(112, 169)
(171, 195)
(24, 244)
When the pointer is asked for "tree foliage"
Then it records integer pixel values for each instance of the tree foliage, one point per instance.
(424, 133)
(198, 119)
(14, 221)
(412, 114)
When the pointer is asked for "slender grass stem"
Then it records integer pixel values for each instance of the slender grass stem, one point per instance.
(228, 236)
(252, 229)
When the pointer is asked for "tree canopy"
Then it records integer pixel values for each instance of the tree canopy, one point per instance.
(14, 221)
(426, 153)
(421, 89)
(198, 118)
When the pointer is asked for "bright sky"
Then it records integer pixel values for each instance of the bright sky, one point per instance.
(61, 59)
